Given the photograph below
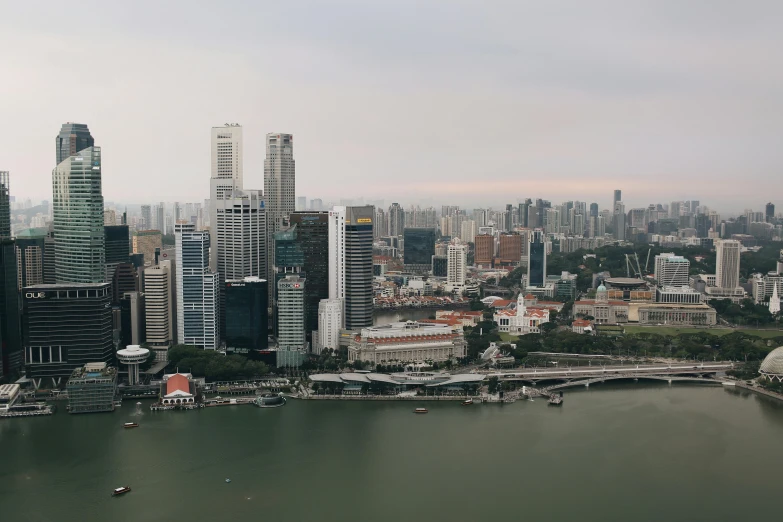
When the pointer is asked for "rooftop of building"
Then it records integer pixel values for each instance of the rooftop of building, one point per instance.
(676, 306)
(179, 383)
(581, 323)
(773, 363)
(8, 390)
(97, 371)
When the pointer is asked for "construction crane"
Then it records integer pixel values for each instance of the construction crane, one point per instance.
(647, 262)
(629, 266)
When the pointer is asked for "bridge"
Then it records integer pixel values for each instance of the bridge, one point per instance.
(669, 379)
(587, 374)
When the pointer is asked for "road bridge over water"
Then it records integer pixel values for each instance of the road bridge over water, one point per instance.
(602, 373)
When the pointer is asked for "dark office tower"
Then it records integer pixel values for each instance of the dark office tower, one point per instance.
(49, 262)
(65, 326)
(770, 212)
(536, 265)
(5, 206)
(593, 209)
(312, 234)
(73, 138)
(117, 241)
(358, 267)
(419, 246)
(10, 327)
(702, 225)
(78, 218)
(246, 315)
(440, 265)
(124, 279)
(618, 196)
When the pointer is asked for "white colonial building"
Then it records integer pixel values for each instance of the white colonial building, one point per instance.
(407, 342)
(523, 319)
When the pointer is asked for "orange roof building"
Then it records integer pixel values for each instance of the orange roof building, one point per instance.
(179, 388)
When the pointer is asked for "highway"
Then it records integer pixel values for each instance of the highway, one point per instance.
(536, 374)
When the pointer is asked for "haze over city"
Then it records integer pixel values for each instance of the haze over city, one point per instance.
(470, 104)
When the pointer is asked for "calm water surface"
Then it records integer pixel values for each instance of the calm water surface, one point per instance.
(611, 453)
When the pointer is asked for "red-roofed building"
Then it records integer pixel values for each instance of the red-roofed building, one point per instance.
(581, 326)
(178, 389)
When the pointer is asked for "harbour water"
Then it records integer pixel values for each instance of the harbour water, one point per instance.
(611, 453)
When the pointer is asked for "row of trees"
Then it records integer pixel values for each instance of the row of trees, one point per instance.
(214, 365)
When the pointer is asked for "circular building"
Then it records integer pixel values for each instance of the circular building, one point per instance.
(133, 355)
(772, 365)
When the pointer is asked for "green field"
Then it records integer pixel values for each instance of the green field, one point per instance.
(674, 330)
(508, 338)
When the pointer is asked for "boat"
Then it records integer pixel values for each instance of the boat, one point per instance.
(130, 425)
(269, 401)
(555, 399)
(420, 410)
(120, 491)
(228, 480)
(467, 402)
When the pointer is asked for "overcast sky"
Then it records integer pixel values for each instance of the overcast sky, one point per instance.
(470, 103)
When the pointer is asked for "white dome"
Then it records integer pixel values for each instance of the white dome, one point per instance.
(601, 288)
(773, 362)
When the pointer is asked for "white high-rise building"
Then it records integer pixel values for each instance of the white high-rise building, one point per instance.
(330, 320)
(468, 231)
(457, 264)
(337, 253)
(197, 289)
(672, 270)
(226, 174)
(279, 188)
(159, 305)
(291, 313)
(240, 235)
(727, 263)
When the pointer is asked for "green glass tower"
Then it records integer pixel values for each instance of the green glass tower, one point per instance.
(78, 218)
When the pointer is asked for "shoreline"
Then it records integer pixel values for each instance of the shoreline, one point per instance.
(760, 391)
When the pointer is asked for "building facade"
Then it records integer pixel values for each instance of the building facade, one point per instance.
(198, 291)
(146, 242)
(727, 263)
(92, 388)
(523, 319)
(279, 183)
(601, 309)
(312, 235)
(77, 203)
(159, 306)
(408, 342)
(291, 313)
(419, 247)
(330, 320)
(247, 322)
(66, 326)
(672, 270)
(536, 263)
(226, 174)
(457, 264)
(358, 267)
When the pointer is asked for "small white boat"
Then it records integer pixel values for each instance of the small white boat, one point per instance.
(467, 402)
(420, 410)
(228, 480)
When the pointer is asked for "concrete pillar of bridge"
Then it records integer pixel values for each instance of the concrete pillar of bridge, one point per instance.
(587, 385)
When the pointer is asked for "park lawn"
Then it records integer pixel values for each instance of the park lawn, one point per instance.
(508, 338)
(674, 330)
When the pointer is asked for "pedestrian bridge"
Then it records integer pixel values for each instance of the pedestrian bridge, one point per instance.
(603, 373)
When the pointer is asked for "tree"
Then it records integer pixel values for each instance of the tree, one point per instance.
(493, 384)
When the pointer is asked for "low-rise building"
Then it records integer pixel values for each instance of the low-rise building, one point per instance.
(581, 326)
(9, 395)
(178, 389)
(522, 320)
(678, 314)
(91, 388)
(410, 341)
(601, 309)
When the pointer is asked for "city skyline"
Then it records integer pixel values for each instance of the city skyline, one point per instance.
(529, 99)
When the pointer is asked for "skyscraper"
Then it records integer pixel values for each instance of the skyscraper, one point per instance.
(672, 270)
(146, 217)
(78, 218)
(769, 213)
(618, 196)
(312, 235)
(536, 265)
(226, 174)
(419, 246)
(337, 253)
(239, 249)
(358, 267)
(457, 263)
(66, 326)
(10, 327)
(246, 314)
(279, 184)
(291, 313)
(330, 320)
(117, 247)
(396, 220)
(5, 205)
(727, 263)
(159, 305)
(198, 294)
(73, 137)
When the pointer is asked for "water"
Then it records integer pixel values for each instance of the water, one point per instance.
(610, 453)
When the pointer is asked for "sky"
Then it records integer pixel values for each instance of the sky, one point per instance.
(439, 102)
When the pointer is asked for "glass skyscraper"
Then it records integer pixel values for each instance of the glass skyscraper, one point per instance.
(78, 218)
(246, 314)
(419, 244)
(73, 137)
(312, 236)
(197, 290)
(358, 266)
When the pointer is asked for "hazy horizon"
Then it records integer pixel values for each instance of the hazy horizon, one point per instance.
(473, 104)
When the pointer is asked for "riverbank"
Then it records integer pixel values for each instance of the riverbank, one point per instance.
(759, 390)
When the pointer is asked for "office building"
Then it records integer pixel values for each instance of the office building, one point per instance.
(109, 217)
(226, 173)
(159, 307)
(312, 236)
(117, 247)
(618, 196)
(246, 314)
(671, 270)
(78, 218)
(198, 293)
(132, 321)
(160, 218)
(291, 313)
(457, 264)
(146, 218)
(330, 320)
(419, 247)
(125, 279)
(769, 212)
(73, 137)
(30, 255)
(484, 250)
(358, 267)
(5, 205)
(65, 326)
(10, 325)
(92, 388)
(510, 249)
(279, 184)
(536, 265)
(727, 263)
(240, 228)
(337, 253)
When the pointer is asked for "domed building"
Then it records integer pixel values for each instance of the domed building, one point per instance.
(772, 365)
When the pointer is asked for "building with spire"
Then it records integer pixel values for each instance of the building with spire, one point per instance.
(774, 302)
(523, 319)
